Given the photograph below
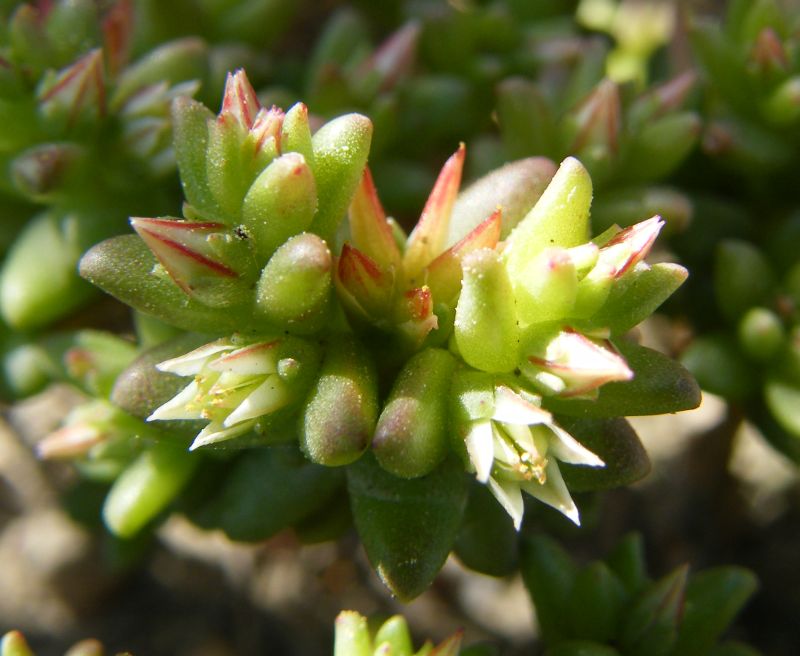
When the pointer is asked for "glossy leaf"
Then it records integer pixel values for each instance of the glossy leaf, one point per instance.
(615, 442)
(407, 526)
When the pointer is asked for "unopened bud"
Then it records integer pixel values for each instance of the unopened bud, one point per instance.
(77, 91)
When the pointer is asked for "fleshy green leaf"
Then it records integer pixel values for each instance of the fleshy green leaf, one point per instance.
(146, 487)
(265, 491)
(340, 147)
(339, 416)
(411, 436)
(559, 218)
(487, 541)
(123, 267)
(549, 574)
(713, 599)
(615, 442)
(407, 526)
(636, 295)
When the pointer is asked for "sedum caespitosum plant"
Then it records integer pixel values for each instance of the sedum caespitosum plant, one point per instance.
(630, 141)
(84, 133)
(752, 358)
(355, 637)
(750, 69)
(13, 643)
(613, 607)
(488, 344)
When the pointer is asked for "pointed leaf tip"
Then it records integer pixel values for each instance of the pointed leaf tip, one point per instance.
(428, 238)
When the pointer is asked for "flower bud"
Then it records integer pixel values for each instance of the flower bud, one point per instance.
(411, 436)
(369, 228)
(44, 170)
(594, 125)
(444, 273)
(280, 203)
(340, 414)
(294, 288)
(486, 329)
(199, 258)
(427, 239)
(389, 63)
(366, 289)
(76, 92)
(570, 364)
(296, 134)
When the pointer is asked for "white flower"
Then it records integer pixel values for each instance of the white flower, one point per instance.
(233, 386)
(515, 446)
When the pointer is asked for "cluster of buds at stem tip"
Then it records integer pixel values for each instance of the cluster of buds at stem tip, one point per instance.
(396, 288)
(258, 187)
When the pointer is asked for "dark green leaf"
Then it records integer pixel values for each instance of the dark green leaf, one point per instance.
(595, 603)
(407, 526)
(487, 541)
(267, 490)
(616, 443)
(713, 598)
(549, 574)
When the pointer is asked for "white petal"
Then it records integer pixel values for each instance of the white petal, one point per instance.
(175, 408)
(253, 360)
(480, 449)
(511, 408)
(478, 403)
(216, 432)
(567, 449)
(509, 496)
(271, 395)
(554, 492)
(191, 363)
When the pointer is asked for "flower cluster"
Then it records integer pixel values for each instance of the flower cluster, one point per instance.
(466, 337)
